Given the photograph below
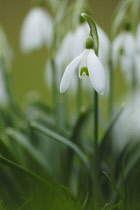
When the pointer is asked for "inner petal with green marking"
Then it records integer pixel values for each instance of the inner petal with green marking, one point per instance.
(84, 72)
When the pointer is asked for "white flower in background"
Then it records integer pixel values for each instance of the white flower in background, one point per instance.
(127, 127)
(127, 53)
(72, 45)
(3, 92)
(89, 66)
(138, 37)
(75, 42)
(37, 29)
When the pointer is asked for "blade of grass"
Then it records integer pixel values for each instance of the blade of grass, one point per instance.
(116, 205)
(25, 142)
(105, 206)
(113, 185)
(105, 139)
(61, 139)
(13, 165)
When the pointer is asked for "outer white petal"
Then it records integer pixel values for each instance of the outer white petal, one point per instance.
(138, 36)
(137, 67)
(83, 62)
(36, 30)
(129, 44)
(67, 76)
(117, 44)
(96, 73)
(104, 45)
(127, 66)
(80, 37)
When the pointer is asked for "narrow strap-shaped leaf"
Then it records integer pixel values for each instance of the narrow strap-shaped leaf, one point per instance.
(113, 185)
(61, 139)
(116, 205)
(24, 141)
(105, 206)
(105, 138)
(13, 165)
(119, 16)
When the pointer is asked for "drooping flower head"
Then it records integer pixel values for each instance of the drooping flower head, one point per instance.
(89, 66)
(36, 30)
(126, 53)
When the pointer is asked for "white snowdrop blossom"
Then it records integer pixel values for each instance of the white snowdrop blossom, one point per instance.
(72, 45)
(37, 29)
(127, 53)
(89, 66)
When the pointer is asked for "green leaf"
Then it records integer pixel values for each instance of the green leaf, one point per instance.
(116, 205)
(119, 16)
(113, 185)
(55, 136)
(25, 142)
(105, 141)
(105, 206)
(15, 166)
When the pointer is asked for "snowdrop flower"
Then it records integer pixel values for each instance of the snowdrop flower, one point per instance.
(125, 52)
(72, 45)
(89, 67)
(36, 30)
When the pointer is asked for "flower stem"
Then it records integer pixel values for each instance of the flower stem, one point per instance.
(96, 121)
(111, 90)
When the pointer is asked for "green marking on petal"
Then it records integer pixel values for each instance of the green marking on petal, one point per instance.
(84, 72)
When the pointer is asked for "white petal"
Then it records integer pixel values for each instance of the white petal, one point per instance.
(83, 62)
(129, 44)
(104, 45)
(96, 73)
(117, 45)
(127, 66)
(67, 76)
(138, 36)
(36, 30)
(137, 67)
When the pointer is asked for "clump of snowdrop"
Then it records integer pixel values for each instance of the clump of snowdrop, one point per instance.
(37, 30)
(89, 66)
(72, 45)
(126, 52)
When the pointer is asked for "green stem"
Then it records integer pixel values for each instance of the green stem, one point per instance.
(111, 91)
(96, 121)
(134, 81)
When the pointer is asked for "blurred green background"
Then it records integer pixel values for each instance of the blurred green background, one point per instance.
(28, 69)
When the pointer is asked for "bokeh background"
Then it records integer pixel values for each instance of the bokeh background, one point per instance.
(28, 69)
